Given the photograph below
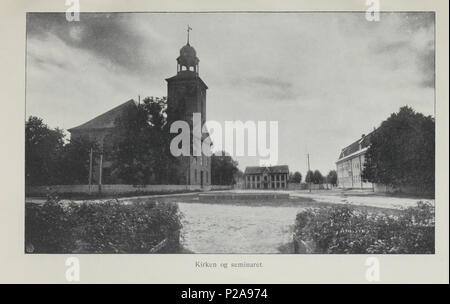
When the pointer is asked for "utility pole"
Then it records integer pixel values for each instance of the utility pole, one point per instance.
(309, 170)
(100, 173)
(90, 170)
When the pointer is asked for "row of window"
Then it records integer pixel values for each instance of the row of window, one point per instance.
(273, 185)
(279, 177)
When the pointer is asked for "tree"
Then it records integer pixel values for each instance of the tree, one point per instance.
(332, 177)
(402, 151)
(223, 169)
(296, 177)
(141, 142)
(309, 177)
(42, 152)
(74, 161)
(317, 177)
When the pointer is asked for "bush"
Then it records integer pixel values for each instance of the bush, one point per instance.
(109, 227)
(344, 229)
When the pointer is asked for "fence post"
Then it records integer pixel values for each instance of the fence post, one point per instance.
(100, 174)
(90, 170)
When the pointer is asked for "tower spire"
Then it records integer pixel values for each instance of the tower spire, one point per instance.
(188, 30)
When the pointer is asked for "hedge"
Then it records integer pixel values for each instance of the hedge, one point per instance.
(107, 227)
(344, 229)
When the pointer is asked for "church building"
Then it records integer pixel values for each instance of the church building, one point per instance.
(186, 95)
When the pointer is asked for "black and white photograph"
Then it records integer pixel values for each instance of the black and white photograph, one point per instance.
(300, 132)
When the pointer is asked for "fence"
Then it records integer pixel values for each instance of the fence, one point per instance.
(117, 189)
(305, 186)
(382, 188)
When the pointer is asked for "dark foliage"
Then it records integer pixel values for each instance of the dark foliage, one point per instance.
(109, 227)
(317, 177)
(295, 177)
(73, 168)
(346, 230)
(43, 147)
(332, 177)
(50, 161)
(314, 177)
(141, 145)
(223, 169)
(402, 151)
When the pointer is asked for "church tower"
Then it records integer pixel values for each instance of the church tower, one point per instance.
(186, 95)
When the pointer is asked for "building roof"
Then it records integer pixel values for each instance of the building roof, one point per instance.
(188, 56)
(105, 120)
(356, 146)
(188, 51)
(261, 170)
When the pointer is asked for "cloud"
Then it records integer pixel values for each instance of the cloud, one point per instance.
(108, 36)
(265, 88)
(325, 77)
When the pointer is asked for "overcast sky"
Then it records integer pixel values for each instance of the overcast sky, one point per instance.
(326, 78)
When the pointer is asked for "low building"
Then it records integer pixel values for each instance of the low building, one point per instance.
(275, 177)
(350, 164)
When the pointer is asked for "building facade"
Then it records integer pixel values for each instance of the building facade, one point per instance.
(350, 165)
(275, 177)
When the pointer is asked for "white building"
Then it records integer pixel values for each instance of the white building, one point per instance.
(350, 164)
(275, 177)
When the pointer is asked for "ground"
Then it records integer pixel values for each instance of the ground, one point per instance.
(255, 226)
(224, 228)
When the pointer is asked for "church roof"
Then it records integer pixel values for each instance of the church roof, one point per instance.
(188, 51)
(105, 120)
(273, 169)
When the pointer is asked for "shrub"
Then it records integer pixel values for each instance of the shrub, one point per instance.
(108, 227)
(344, 229)
(49, 229)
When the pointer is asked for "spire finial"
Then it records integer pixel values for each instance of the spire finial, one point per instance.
(188, 30)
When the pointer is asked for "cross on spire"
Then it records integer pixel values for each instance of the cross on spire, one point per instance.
(188, 30)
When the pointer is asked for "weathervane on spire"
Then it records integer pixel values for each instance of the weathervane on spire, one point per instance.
(188, 30)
